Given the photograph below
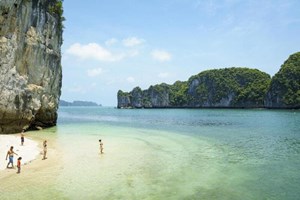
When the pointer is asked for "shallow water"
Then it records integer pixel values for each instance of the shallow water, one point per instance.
(168, 154)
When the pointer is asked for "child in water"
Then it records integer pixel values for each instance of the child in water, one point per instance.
(44, 149)
(19, 165)
(101, 147)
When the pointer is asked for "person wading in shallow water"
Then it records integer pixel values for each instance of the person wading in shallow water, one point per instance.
(10, 154)
(101, 147)
(44, 149)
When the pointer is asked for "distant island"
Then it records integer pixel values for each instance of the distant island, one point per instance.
(223, 88)
(78, 103)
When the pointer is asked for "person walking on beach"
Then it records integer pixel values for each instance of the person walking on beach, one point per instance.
(10, 154)
(101, 146)
(44, 149)
(19, 165)
(22, 137)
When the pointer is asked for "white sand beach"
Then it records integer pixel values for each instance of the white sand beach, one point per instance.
(29, 151)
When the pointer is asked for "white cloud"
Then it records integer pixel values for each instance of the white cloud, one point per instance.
(161, 55)
(130, 79)
(133, 53)
(163, 75)
(93, 51)
(94, 72)
(111, 42)
(132, 41)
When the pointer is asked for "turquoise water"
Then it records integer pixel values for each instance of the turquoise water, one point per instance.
(173, 154)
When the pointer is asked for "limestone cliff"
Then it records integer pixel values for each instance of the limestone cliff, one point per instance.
(229, 87)
(30, 65)
(124, 99)
(284, 91)
(218, 88)
(155, 97)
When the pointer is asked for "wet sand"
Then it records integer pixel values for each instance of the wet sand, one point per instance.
(35, 172)
(29, 151)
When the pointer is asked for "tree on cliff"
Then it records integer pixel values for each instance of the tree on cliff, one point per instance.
(229, 87)
(178, 94)
(56, 9)
(284, 90)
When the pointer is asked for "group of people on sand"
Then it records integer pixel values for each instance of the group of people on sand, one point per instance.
(10, 154)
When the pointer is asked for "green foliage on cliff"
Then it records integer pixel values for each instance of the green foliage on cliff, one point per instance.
(229, 87)
(159, 89)
(56, 9)
(122, 94)
(178, 94)
(241, 84)
(159, 92)
(286, 83)
(239, 87)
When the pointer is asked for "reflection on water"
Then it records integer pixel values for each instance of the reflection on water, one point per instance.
(169, 154)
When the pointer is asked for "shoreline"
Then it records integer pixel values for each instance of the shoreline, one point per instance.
(29, 151)
(35, 172)
(219, 107)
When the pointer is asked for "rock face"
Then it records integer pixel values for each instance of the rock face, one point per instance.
(218, 88)
(229, 87)
(124, 99)
(30, 65)
(155, 97)
(284, 91)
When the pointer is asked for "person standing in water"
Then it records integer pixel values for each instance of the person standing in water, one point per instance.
(10, 154)
(101, 146)
(44, 149)
(19, 165)
(22, 137)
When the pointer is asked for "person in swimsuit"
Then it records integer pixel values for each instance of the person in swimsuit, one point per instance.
(10, 154)
(19, 165)
(45, 149)
(101, 146)
(22, 137)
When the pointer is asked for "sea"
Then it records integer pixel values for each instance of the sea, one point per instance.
(168, 154)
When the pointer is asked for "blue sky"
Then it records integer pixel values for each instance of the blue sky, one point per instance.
(111, 45)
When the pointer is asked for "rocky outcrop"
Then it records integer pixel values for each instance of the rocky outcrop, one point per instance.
(218, 88)
(229, 87)
(30, 65)
(223, 88)
(284, 91)
(124, 100)
(136, 99)
(155, 97)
